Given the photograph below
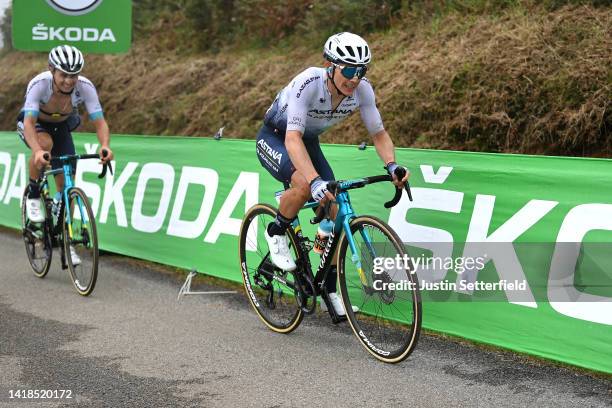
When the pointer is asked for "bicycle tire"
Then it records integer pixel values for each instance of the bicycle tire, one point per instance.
(259, 286)
(30, 240)
(85, 241)
(388, 323)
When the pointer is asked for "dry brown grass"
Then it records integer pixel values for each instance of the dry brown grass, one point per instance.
(519, 82)
(522, 80)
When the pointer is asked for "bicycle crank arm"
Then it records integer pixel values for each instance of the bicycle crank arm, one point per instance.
(304, 294)
(266, 269)
(31, 234)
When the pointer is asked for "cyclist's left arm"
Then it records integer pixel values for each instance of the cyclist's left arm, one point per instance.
(103, 133)
(373, 122)
(386, 151)
(96, 115)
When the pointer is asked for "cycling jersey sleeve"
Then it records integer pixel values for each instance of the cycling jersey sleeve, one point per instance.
(303, 90)
(91, 100)
(33, 96)
(367, 108)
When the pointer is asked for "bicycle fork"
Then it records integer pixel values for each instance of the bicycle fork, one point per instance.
(355, 256)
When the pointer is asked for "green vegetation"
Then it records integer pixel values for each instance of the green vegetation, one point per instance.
(5, 30)
(500, 76)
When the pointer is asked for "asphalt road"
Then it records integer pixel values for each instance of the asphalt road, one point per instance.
(131, 344)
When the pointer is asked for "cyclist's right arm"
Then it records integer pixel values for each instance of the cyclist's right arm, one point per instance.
(30, 111)
(302, 92)
(299, 155)
(31, 137)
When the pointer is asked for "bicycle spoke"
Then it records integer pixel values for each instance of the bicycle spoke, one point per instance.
(36, 239)
(386, 321)
(80, 242)
(272, 299)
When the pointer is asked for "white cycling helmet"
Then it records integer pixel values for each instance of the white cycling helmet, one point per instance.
(347, 48)
(67, 59)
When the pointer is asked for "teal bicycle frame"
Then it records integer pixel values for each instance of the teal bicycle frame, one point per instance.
(343, 220)
(67, 170)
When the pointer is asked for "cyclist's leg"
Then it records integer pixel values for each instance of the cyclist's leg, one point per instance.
(322, 167)
(62, 145)
(273, 155)
(46, 143)
(294, 198)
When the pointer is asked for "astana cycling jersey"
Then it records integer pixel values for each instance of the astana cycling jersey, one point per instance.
(305, 105)
(40, 90)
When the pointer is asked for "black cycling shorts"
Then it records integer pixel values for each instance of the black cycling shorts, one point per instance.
(273, 155)
(60, 134)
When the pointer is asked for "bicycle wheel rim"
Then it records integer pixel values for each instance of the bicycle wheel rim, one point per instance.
(273, 301)
(80, 233)
(37, 241)
(388, 322)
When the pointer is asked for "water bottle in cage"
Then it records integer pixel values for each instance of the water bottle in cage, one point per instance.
(323, 232)
(55, 207)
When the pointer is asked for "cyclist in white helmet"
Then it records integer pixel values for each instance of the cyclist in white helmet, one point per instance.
(50, 113)
(288, 142)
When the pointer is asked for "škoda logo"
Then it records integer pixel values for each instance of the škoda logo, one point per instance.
(74, 7)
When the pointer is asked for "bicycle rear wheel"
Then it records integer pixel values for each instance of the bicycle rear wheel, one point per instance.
(270, 290)
(37, 239)
(80, 234)
(389, 319)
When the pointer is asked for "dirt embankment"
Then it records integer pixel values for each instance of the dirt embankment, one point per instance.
(521, 80)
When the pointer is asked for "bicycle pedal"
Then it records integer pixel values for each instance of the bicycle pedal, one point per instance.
(336, 319)
(33, 234)
(303, 303)
(308, 310)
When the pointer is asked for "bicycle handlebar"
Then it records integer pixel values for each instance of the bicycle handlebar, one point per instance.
(106, 166)
(334, 186)
(400, 173)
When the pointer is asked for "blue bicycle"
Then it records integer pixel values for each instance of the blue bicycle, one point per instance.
(69, 224)
(383, 305)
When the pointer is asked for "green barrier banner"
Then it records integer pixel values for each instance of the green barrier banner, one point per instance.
(98, 26)
(511, 250)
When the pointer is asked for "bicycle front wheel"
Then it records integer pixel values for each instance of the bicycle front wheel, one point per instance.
(80, 242)
(388, 320)
(37, 239)
(270, 290)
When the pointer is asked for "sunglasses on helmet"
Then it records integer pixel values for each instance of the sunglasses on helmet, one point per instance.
(349, 72)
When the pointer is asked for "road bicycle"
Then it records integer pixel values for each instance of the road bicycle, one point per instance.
(387, 314)
(69, 224)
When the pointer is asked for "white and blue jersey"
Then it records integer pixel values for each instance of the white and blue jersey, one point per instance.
(40, 90)
(38, 94)
(305, 105)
